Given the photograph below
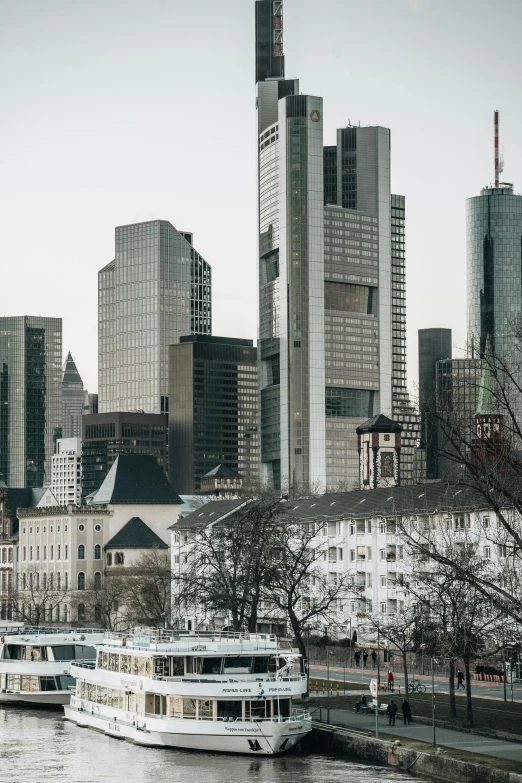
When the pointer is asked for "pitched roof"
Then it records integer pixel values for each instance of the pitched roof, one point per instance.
(222, 471)
(70, 372)
(379, 423)
(211, 512)
(138, 479)
(136, 535)
(430, 498)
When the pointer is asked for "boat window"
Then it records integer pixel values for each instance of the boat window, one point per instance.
(240, 664)
(125, 664)
(283, 708)
(257, 710)
(261, 665)
(13, 651)
(229, 710)
(205, 709)
(211, 666)
(63, 652)
(189, 708)
(194, 665)
(175, 706)
(177, 666)
(47, 684)
(13, 682)
(30, 682)
(65, 682)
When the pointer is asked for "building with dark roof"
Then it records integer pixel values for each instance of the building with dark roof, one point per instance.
(105, 435)
(222, 481)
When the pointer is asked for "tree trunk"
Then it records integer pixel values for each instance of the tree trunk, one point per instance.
(453, 702)
(469, 721)
(405, 667)
(296, 628)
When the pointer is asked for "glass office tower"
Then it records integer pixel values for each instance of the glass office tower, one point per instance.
(73, 400)
(213, 416)
(157, 288)
(30, 398)
(494, 257)
(331, 282)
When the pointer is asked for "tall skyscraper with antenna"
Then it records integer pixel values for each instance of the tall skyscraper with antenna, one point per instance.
(331, 282)
(494, 260)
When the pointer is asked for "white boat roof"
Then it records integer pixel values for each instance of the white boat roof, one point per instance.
(198, 643)
(50, 636)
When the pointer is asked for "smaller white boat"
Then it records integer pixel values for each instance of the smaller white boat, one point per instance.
(35, 663)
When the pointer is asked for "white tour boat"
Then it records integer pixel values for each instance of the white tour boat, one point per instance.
(215, 692)
(35, 664)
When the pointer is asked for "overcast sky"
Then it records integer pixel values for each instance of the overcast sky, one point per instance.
(118, 111)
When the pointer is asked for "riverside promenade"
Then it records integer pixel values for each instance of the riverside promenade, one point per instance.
(450, 738)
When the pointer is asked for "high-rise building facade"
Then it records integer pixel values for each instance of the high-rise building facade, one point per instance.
(73, 400)
(494, 231)
(331, 282)
(105, 435)
(157, 288)
(214, 409)
(30, 398)
(66, 472)
(434, 346)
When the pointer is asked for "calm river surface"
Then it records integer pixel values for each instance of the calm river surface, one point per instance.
(37, 746)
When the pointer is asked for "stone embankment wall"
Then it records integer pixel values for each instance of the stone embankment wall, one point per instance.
(436, 764)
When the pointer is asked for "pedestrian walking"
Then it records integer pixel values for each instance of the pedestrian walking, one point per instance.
(390, 680)
(392, 712)
(460, 678)
(365, 658)
(406, 712)
(374, 658)
(357, 657)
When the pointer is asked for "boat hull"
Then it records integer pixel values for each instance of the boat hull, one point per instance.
(262, 739)
(42, 698)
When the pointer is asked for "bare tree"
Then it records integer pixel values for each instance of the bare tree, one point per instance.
(103, 600)
(147, 594)
(398, 629)
(228, 564)
(39, 597)
(298, 588)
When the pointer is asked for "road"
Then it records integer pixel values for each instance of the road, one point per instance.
(484, 690)
(453, 739)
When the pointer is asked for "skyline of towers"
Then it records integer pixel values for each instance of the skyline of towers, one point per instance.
(156, 289)
(30, 397)
(331, 281)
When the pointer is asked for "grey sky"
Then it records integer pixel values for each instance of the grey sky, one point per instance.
(117, 111)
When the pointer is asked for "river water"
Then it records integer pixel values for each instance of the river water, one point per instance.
(39, 746)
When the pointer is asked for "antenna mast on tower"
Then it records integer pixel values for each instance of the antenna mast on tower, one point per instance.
(497, 157)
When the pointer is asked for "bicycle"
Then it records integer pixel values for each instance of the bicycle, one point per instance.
(416, 687)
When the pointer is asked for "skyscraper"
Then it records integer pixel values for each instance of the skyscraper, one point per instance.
(434, 346)
(30, 397)
(73, 400)
(494, 231)
(214, 410)
(331, 278)
(157, 288)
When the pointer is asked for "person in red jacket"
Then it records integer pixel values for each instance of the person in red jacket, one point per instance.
(390, 680)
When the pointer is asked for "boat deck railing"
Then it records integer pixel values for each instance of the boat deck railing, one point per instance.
(224, 679)
(297, 718)
(28, 630)
(193, 639)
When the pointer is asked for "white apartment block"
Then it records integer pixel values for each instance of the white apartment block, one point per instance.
(66, 472)
(359, 539)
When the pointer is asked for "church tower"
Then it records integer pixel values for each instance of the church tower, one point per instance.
(379, 441)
